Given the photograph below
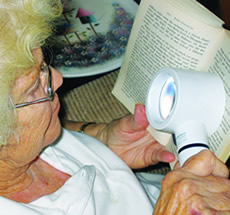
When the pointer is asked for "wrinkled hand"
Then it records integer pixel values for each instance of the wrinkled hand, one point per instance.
(130, 140)
(201, 186)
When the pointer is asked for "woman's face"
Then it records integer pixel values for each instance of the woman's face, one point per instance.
(38, 124)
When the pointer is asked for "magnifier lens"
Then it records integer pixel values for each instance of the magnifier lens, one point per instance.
(167, 98)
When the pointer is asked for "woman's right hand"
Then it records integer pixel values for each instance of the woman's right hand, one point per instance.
(201, 186)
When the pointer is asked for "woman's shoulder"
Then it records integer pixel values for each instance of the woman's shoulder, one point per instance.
(75, 150)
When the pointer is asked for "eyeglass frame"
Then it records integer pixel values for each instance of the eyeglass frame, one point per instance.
(49, 92)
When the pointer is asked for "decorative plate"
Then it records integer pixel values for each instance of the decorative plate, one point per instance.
(92, 36)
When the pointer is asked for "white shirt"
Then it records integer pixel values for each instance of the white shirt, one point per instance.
(100, 182)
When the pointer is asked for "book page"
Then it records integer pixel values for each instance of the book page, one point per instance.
(162, 35)
(197, 11)
(220, 141)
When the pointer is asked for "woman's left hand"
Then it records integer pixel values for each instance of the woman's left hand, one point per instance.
(130, 140)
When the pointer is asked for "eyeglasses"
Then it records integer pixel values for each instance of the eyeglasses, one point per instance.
(49, 91)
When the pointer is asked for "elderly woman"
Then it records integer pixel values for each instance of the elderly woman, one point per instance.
(46, 171)
(77, 175)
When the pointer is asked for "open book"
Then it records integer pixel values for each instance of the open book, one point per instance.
(180, 34)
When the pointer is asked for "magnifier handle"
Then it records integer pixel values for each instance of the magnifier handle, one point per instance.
(188, 150)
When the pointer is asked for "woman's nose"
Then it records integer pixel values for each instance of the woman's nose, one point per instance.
(57, 79)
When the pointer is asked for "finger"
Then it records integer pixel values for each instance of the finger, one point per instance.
(140, 119)
(205, 163)
(213, 203)
(177, 165)
(158, 153)
(220, 203)
(186, 200)
(136, 122)
(171, 202)
(162, 202)
(185, 182)
(213, 212)
(166, 156)
(220, 213)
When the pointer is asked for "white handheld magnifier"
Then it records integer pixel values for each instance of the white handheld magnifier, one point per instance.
(188, 104)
